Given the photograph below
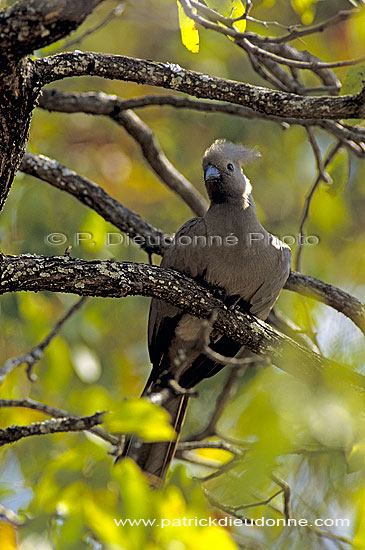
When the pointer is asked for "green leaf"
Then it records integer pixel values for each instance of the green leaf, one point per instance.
(189, 32)
(339, 171)
(354, 80)
(143, 418)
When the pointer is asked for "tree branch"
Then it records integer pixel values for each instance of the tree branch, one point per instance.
(115, 12)
(94, 196)
(24, 27)
(223, 398)
(152, 152)
(154, 240)
(295, 33)
(277, 320)
(35, 354)
(70, 424)
(308, 199)
(58, 413)
(309, 65)
(192, 445)
(97, 103)
(330, 295)
(32, 24)
(119, 279)
(174, 77)
(225, 26)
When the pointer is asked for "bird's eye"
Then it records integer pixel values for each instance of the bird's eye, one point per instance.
(230, 167)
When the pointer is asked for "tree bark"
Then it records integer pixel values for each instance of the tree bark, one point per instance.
(174, 77)
(119, 279)
(24, 27)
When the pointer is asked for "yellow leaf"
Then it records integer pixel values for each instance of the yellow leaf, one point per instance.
(215, 538)
(217, 455)
(8, 536)
(233, 9)
(189, 32)
(237, 12)
(306, 9)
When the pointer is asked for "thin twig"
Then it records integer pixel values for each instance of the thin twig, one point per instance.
(295, 32)
(115, 12)
(57, 413)
(196, 461)
(264, 502)
(221, 470)
(192, 445)
(307, 204)
(318, 156)
(226, 509)
(260, 52)
(286, 494)
(35, 355)
(220, 405)
(265, 75)
(203, 340)
(242, 39)
(277, 320)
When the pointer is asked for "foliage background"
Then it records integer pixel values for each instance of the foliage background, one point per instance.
(65, 484)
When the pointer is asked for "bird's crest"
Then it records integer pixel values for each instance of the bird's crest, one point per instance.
(232, 151)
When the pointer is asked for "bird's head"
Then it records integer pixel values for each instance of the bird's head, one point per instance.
(223, 175)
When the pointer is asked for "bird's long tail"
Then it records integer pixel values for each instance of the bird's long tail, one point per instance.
(155, 458)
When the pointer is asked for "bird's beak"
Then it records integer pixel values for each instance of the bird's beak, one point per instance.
(211, 173)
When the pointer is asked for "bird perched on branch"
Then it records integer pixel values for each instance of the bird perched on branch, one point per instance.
(227, 248)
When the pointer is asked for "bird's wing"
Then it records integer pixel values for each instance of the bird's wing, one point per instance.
(265, 296)
(184, 256)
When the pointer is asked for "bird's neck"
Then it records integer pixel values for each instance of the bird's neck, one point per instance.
(238, 214)
(242, 205)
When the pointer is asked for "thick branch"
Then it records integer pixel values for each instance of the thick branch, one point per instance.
(94, 196)
(14, 433)
(158, 161)
(97, 103)
(33, 24)
(154, 240)
(329, 295)
(119, 279)
(24, 27)
(143, 135)
(174, 77)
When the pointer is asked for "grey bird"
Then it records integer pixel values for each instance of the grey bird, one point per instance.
(227, 248)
